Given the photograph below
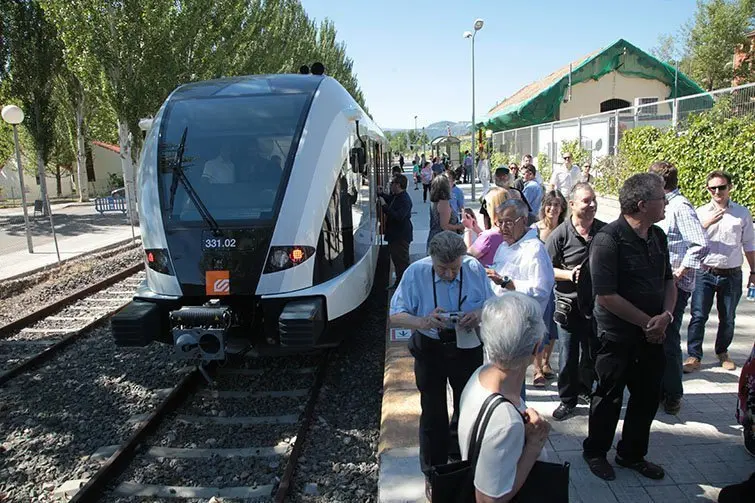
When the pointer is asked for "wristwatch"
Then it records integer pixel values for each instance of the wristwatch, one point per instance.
(670, 316)
(505, 281)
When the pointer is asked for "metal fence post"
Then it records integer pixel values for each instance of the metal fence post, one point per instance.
(553, 146)
(579, 130)
(532, 141)
(516, 142)
(675, 113)
(615, 132)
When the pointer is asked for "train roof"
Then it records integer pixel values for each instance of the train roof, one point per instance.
(249, 85)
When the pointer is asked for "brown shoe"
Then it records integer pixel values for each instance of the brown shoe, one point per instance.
(539, 380)
(691, 364)
(726, 362)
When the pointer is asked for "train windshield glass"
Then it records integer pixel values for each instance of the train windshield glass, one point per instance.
(236, 154)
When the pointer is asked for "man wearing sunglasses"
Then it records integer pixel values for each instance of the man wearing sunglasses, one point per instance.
(730, 231)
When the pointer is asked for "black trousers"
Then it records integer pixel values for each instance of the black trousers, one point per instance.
(578, 345)
(399, 251)
(435, 364)
(425, 190)
(638, 366)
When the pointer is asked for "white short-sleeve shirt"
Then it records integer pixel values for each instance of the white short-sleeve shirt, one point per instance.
(502, 444)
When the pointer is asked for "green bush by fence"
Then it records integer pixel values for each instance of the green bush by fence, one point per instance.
(711, 141)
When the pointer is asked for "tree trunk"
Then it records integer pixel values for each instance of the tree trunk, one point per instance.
(58, 186)
(42, 183)
(127, 166)
(81, 165)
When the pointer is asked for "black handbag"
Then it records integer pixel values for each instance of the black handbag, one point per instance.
(454, 482)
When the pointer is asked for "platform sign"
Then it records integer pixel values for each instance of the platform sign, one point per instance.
(400, 334)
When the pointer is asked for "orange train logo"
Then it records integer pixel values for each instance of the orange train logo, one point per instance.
(217, 283)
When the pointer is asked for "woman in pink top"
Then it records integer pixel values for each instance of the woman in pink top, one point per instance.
(485, 246)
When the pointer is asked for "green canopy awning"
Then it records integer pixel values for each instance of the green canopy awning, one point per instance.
(621, 56)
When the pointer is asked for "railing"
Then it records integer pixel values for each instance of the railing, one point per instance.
(599, 134)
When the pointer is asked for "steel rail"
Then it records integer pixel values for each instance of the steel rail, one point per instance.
(79, 294)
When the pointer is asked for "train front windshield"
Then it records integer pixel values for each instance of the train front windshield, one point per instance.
(236, 155)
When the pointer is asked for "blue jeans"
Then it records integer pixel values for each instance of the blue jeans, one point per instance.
(576, 374)
(672, 347)
(727, 290)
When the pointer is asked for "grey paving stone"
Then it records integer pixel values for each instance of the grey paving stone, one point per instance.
(596, 491)
(718, 474)
(667, 494)
(699, 493)
(634, 494)
(684, 472)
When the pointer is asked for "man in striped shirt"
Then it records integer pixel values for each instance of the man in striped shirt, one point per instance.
(687, 246)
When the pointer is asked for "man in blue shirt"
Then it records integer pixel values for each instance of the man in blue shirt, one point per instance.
(532, 190)
(398, 226)
(457, 195)
(447, 282)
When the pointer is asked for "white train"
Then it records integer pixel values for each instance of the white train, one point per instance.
(258, 216)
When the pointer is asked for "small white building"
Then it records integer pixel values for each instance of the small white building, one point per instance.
(105, 160)
(612, 78)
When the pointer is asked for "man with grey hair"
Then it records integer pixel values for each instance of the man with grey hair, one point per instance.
(440, 299)
(523, 264)
(634, 290)
(511, 329)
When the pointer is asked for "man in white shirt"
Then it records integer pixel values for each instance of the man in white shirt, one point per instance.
(521, 262)
(565, 176)
(730, 232)
(220, 169)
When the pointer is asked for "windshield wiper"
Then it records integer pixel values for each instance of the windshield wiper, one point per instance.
(179, 175)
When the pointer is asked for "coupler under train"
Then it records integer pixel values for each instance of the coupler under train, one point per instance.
(213, 331)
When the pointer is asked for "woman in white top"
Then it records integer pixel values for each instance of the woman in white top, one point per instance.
(511, 329)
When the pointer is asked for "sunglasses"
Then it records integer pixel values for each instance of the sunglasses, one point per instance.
(720, 188)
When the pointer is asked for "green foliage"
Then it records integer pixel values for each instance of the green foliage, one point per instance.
(710, 142)
(579, 154)
(34, 54)
(544, 166)
(114, 181)
(719, 27)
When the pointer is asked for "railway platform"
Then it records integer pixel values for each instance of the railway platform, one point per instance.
(700, 448)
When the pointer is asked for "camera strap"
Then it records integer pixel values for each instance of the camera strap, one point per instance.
(461, 285)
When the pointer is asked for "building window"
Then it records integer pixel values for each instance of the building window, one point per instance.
(613, 104)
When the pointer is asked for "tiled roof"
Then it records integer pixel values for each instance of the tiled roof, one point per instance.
(108, 146)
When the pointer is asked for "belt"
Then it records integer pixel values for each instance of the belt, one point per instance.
(444, 339)
(723, 272)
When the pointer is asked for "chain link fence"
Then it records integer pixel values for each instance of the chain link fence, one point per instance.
(600, 134)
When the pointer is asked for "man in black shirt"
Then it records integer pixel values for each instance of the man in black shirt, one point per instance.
(398, 226)
(635, 293)
(568, 247)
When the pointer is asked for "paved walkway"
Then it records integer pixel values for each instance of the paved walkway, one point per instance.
(701, 448)
(79, 229)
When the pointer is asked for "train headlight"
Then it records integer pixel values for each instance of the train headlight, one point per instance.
(284, 257)
(157, 259)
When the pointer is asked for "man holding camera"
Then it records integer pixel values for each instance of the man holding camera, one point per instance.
(440, 299)
(568, 247)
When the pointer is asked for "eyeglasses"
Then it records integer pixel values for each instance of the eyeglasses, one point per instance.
(567, 158)
(720, 188)
(508, 223)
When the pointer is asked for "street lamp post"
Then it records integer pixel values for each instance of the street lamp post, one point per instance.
(471, 35)
(15, 116)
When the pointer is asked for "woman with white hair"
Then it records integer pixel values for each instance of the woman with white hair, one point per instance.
(511, 330)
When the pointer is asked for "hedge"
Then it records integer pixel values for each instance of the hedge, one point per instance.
(710, 141)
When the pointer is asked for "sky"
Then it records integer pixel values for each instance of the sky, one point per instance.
(411, 58)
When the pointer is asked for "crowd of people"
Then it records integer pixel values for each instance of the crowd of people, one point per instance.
(490, 300)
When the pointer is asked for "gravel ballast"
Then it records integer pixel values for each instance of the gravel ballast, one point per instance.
(23, 296)
(54, 417)
(339, 462)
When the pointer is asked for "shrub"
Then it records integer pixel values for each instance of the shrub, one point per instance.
(711, 141)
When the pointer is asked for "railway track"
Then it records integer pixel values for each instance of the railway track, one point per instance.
(239, 437)
(38, 336)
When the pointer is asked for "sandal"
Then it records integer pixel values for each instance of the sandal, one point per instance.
(539, 381)
(548, 371)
